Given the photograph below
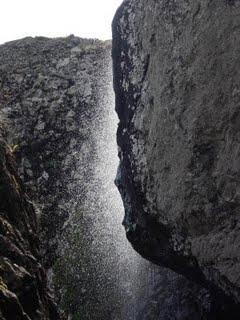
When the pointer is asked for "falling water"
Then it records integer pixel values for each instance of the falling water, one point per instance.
(129, 267)
(99, 275)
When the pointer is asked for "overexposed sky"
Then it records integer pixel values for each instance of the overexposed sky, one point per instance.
(56, 18)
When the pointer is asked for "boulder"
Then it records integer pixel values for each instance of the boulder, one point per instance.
(176, 79)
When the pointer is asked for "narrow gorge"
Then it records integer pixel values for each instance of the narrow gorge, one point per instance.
(154, 113)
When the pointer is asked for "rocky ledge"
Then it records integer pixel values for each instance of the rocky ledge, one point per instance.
(176, 78)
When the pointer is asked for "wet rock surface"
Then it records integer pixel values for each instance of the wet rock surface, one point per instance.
(23, 283)
(177, 96)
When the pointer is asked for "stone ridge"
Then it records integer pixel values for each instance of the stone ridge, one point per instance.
(177, 97)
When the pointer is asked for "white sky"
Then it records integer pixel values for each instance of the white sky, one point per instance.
(56, 18)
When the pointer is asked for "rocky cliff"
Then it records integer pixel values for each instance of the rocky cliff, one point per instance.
(23, 283)
(176, 79)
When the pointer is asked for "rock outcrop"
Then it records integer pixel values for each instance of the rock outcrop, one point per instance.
(176, 79)
(23, 283)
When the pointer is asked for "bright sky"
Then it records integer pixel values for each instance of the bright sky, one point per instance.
(56, 18)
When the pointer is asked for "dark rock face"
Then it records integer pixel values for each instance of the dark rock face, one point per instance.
(177, 96)
(170, 296)
(53, 95)
(23, 283)
(49, 94)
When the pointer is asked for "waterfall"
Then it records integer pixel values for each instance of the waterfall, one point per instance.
(107, 276)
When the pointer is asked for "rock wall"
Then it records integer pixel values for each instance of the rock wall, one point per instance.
(176, 79)
(53, 95)
(49, 96)
(23, 283)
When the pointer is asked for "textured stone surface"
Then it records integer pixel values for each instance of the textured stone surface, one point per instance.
(23, 284)
(176, 78)
(49, 93)
(53, 95)
(172, 297)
